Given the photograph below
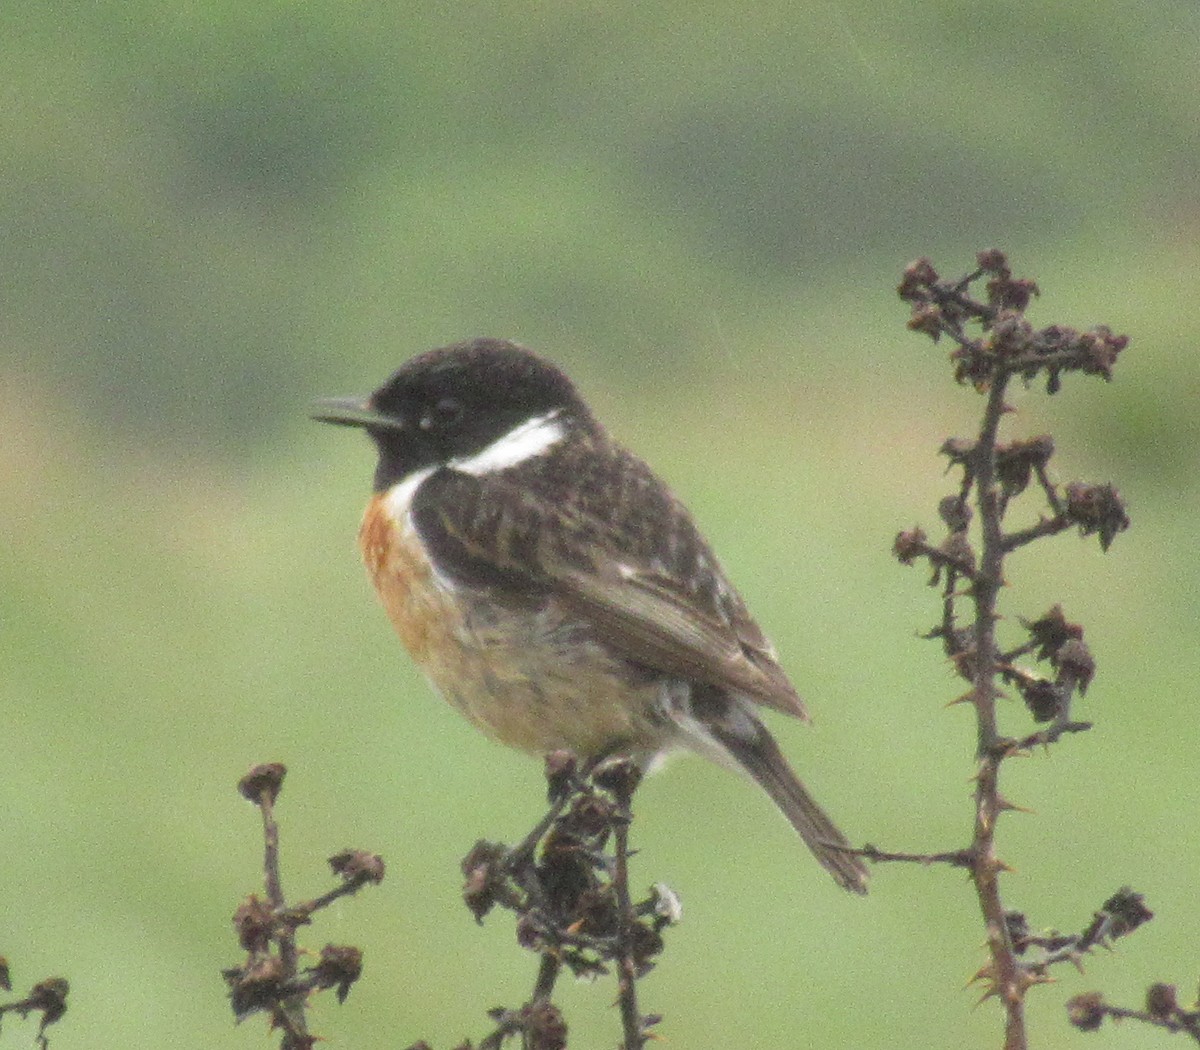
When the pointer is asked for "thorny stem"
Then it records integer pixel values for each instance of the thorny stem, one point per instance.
(958, 858)
(631, 1018)
(572, 899)
(345, 889)
(985, 865)
(989, 578)
(1190, 1026)
(1049, 735)
(985, 871)
(1045, 527)
(522, 853)
(520, 856)
(547, 975)
(292, 1010)
(1009, 348)
(519, 860)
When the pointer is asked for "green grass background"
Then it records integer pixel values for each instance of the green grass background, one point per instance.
(211, 214)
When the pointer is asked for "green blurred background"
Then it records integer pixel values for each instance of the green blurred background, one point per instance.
(212, 213)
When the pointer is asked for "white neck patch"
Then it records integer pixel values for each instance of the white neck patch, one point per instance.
(400, 495)
(532, 438)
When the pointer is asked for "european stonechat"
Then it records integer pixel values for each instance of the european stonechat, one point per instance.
(553, 589)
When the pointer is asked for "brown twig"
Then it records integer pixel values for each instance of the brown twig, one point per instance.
(572, 901)
(271, 979)
(959, 858)
(622, 779)
(289, 1010)
(48, 997)
(1006, 978)
(1088, 1011)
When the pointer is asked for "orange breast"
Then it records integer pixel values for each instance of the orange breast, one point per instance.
(520, 674)
(419, 609)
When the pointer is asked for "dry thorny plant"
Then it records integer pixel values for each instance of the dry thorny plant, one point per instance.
(48, 998)
(1047, 663)
(272, 978)
(567, 881)
(571, 899)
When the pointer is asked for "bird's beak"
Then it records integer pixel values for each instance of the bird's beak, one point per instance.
(352, 412)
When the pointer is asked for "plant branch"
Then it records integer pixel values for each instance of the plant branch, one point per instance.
(271, 978)
(631, 1019)
(48, 997)
(572, 901)
(959, 858)
(290, 1010)
(994, 474)
(1163, 1010)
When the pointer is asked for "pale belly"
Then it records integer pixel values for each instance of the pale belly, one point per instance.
(526, 677)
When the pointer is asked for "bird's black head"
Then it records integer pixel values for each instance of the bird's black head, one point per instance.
(454, 402)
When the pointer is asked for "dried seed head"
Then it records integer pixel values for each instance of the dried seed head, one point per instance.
(340, 966)
(1017, 462)
(358, 866)
(263, 783)
(1050, 632)
(993, 261)
(50, 997)
(1075, 659)
(918, 278)
(927, 318)
(620, 775)
(1161, 1001)
(482, 870)
(1041, 696)
(1097, 508)
(1006, 292)
(544, 1026)
(255, 986)
(1086, 1011)
(666, 904)
(909, 546)
(255, 923)
(1127, 911)
(955, 512)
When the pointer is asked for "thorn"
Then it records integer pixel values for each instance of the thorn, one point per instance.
(990, 993)
(984, 973)
(1011, 807)
(1031, 977)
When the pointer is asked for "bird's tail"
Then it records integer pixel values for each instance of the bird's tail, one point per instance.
(753, 750)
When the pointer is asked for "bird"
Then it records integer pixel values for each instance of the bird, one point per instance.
(554, 590)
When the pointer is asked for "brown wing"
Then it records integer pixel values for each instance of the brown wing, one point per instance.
(634, 568)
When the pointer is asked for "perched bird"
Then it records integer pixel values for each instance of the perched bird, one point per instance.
(553, 589)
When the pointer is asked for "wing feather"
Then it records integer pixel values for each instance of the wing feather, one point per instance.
(490, 531)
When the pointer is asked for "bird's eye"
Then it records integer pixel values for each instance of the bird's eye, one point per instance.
(446, 412)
